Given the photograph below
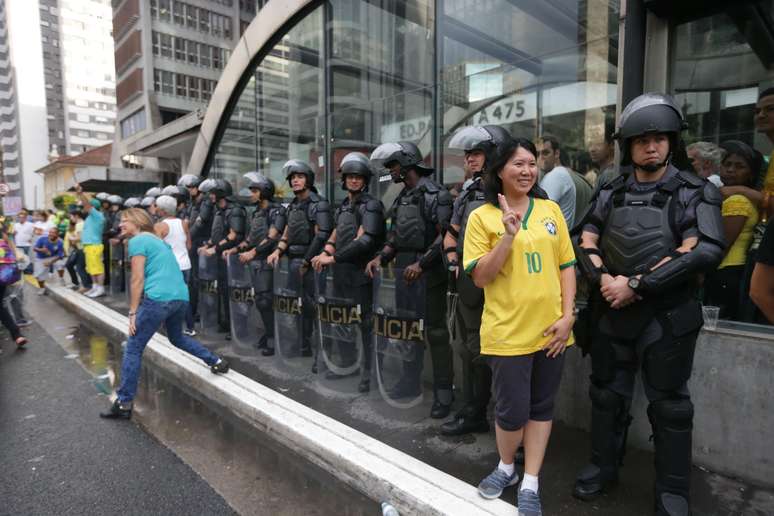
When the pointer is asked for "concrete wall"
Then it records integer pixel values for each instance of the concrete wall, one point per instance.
(731, 388)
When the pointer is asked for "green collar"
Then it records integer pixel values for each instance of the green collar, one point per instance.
(529, 212)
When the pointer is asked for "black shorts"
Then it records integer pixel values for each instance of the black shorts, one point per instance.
(524, 387)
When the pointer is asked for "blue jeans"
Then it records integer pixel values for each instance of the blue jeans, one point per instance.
(149, 317)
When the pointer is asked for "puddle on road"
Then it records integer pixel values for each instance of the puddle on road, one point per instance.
(100, 357)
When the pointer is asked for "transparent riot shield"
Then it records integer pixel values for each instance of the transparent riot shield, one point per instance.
(263, 281)
(341, 313)
(242, 303)
(208, 294)
(292, 318)
(399, 336)
(116, 269)
(127, 272)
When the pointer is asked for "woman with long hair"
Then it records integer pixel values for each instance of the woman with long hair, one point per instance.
(159, 295)
(518, 249)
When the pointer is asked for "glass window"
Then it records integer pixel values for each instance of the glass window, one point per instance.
(165, 41)
(167, 82)
(180, 49)
(207, 87)
(155, 42)
(164, 10)
(193, 87)
(227, 28)
(720, 64)
(204, 20)
(180, 85)
(157, 80)
(217, 61)
(178, 16)
(279, 116)
(191, 16)
(154, 8)
(550, 68)
(204, 55)
(193, 52)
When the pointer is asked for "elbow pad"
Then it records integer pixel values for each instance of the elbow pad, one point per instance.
(431, 257)
(266, 248)
(362, 247)
(317, 244)
(706, 256)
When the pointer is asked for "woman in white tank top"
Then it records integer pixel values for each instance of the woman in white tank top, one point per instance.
(175, 233)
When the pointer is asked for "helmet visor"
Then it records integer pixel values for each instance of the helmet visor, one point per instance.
(469, 138)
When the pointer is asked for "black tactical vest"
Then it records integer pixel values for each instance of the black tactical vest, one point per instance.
(259, 226)
(347, 223)
(410, 222)
(638, 231)
(300, 228)
(218, 231)
(474, 197)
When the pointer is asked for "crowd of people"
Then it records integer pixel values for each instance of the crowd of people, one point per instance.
(499, 274)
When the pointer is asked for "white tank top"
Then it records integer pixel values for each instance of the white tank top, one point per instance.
(177, 241)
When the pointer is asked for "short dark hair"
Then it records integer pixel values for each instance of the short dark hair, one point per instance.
(766, 93)
(493, 185)
(553, 140)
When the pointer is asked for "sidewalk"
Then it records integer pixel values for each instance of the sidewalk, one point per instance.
(59, 457)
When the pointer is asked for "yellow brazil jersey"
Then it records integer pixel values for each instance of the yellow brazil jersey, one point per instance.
(525, 298)
(739, 205)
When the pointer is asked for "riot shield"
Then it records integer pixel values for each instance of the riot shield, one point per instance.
(242, 302)
(292, 334)
(263, 278)
(116, 269)
(208, 294)
(127, 272)
(340, 318)
(399, 336)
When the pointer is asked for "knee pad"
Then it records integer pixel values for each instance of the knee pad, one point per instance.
(437, 335)
(676, 414)
(605, 399)
(668, 363)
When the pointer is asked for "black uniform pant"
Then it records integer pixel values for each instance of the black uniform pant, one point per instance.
(305, 283)
(224, 314)
(476, 374)
(193, 279)
(263, 282)
(661, 347)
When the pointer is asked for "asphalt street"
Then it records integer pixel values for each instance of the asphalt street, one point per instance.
(58, 457)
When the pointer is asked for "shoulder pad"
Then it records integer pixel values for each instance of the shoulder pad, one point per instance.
(431, 187)
(711, 194)
(322, 204)
(617, 182)
(691, 179)
(444, 196)
(373, 205)
(314, 197)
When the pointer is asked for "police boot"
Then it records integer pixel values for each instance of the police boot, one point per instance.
(466, 421)
(262, 342)
(672, 422)
(442, 402)
(609, 424)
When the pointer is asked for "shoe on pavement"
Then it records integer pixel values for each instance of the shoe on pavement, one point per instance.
(364, 386)
(190, 333)
(528, 503)
(492, 486)
(462, 425)
(268, 352)
(23, 323)
(220, 367)
(117, 411)
(42, 291)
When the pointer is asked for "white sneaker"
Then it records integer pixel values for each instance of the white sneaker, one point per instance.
(99, 291)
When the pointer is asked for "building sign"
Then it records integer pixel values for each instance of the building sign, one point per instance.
(12, 205)
(507, 110)
(409, 130)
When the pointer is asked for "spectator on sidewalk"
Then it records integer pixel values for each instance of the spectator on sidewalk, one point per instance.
(49, 254)
(76, 261)
(93, 249)
(158, 295)
(40, 225)
(175, 233)
(14, 292)
(705, 159)
(762, 283)
(8, 258)
(23, 231)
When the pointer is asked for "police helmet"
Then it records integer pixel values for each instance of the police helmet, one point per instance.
(153, 192)
(296, 166)
(132, 202)
(406, 154)
(180, 193)
(116, 200)
(486, 138)
(189, 181)
(147, 201)
(222, 189)
(650, 113)
(261, 182)
(207, 185)
(102, 196)
(355, 164)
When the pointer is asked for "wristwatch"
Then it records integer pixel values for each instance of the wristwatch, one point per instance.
(634, 284)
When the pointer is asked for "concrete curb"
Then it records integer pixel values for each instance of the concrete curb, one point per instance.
(371, 467)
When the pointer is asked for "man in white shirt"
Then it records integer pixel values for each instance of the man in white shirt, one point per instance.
(556, 179)
(22, 233)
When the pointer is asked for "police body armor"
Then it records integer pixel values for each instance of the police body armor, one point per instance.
(300, 225)
(469, 293)
(413, 233)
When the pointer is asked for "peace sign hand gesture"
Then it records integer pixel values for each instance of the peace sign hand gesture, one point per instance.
(511, 217)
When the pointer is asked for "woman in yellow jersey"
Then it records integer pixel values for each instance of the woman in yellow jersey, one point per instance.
(518, 249)
(726, 287)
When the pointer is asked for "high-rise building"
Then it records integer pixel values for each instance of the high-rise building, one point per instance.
(57, 87)
(169, 55)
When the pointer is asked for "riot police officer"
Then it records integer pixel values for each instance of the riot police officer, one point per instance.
(480, 145)
(200, 226)
(420, 216)
(113, 218)
(309, 224)
(265, 228)
(228, 230)
(647, 237)
(102, 197)
(359, 231)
